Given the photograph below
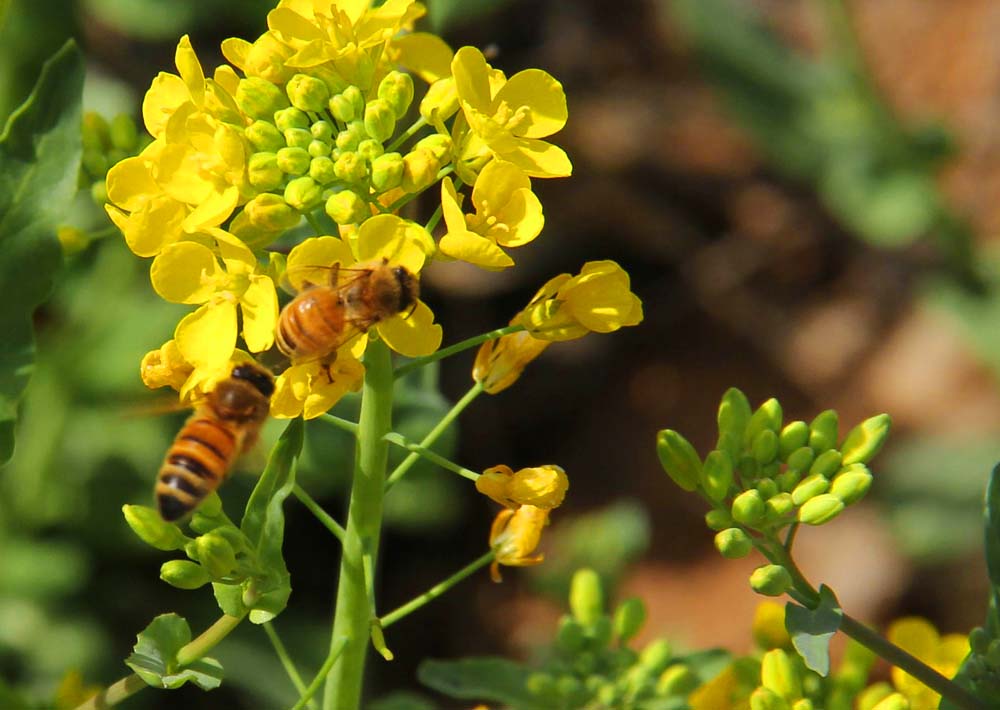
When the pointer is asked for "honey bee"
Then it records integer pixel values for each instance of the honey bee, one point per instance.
(321, 318)
(223, 426)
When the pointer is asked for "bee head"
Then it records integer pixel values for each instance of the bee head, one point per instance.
(409, 288)
(260, 379)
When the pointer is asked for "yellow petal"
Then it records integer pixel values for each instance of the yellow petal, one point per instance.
(228, 79)
(291, 25)
(207, 337)
(539, 159)
(522, 215)
(413, 336)
(234, 253)
(235, 51)
(166, 92)
(259, 304)
(284, 402)
(309, 262)
(425, 54)
(543, 95)
(496, 183)
(398, 240)
(151, 228)
(190, 70)
(451, 207)
(472, 82)
(470, 247)
(212, 211)
(343, 376)
(185, 272)
(130, 183)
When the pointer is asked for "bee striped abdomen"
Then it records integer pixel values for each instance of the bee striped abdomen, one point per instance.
(312, 325)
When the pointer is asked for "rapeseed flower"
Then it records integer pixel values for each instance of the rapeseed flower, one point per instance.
(514, 536)
(942, 653)
(312, 388)
(499, 363)
(540, 486)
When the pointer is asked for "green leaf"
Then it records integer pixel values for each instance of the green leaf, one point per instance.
(229, 597)
(491, 679)
(39, 160)
(812, 629)
(154, 656)
(991, 528)
(264, 524)
(444, 14)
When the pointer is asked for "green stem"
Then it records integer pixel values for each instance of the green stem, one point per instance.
(434, 434)
(328, 522)
(419, 362)
(188, 654)
(361, 536)
(409, 197)
(407, 134)
(435, 591)
(324, 670)
(403, 443)
(286, 661)
(433, 221)
(314, 223)
(345, 424)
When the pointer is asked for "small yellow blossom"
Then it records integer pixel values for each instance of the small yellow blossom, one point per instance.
(726, 691)
(499, 363)
(508, 117)
(769, 626)
(311, 388)
(425, 54)
(540, 486)
(515, 535)
(166, 367)
(508, 214)
(598, 300)
(942, 653)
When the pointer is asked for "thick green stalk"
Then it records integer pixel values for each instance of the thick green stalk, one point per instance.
(361, 534)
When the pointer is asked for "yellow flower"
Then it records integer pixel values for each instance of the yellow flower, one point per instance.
(726, 691)
(190, 272)
(166, 367)
(598, 300)
(540, 486)
(425, 54)
(944, 654)
(499, 363)
(508, 214)
(515, 535)
(383, 239)
(769, 626)
(507, 117)
(311, 388)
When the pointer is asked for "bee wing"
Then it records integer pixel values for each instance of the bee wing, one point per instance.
(297, 279)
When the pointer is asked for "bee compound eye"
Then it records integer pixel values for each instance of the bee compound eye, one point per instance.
(260, 379)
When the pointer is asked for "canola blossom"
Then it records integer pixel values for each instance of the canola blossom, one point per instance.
(540, 486)
(515, 535)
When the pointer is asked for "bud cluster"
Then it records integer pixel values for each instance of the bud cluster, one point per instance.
(982, 666)
(104, 144)
(765, 474)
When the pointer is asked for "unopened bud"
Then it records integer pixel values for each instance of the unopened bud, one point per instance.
(771, 580)
(350, 138)
(655, 656)
(717, 519)
(766, 699)
(896, 701)
(322, 170)
(733, 543)
(801, 459)
(779, 506)
(297, 138)
(307, 93)
(629, 618)
(264, 137)
(290, 117)
(259, 98)
(823, 431)
(380, 120)
(123, 133)
(215, 554)
(826, 464)
(152, 529)
(779, 673)
(765, 447)
(851, 485)
(351, 168)
(748, 508)
(541, 685)
(821, 509)
(387, 171)
(733, 417)
(369, 149)
(396, 89)
(810, 487)
(438, 144)
(184, 574)
(323, 131)
(95, 132)
(263, 171)
(440, 102)
(586, 599)
(347, 207)
(318, 149)
(794, 436)
(865, 440)
(767, 416)
(717, 475)
(679, 459)
(788, 480)
(95, 162)
(270, 213)
(766, 487)
(570, 635)
(294, 161)
(678, 679)
(349, 105)
(803, 704)
(979, 640)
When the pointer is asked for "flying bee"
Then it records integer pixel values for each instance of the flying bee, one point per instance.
(224, 425)
(321, 318)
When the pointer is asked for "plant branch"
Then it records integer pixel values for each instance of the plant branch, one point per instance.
(404, 443)
(328, 522)
(286, 661)
(419, 362)
(435, 591)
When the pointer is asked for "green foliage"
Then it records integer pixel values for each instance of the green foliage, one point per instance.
(446, 14)
(39, 160)
(812, 629)
(156, 20)
(154, 657)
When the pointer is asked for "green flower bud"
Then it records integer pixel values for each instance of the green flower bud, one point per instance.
(307, 93)
(380, 120)
(717, 519)
(731, 444)
(609, 695)
(152, 529)
(779, 506)
(629, 618)
(318, 149)
(123, 133)
(767, 416)
(297, 138)
(350, 138)
(584, 663)
(733, 543)
(586, 599)
(264, 137)
(979, 640)
(599, 634)
(348, 105)
(215, 554)
(717, 475)
(810, 487)
(794, 436)
(788, 480)
(826, 464)
(263, 171)
(322, 170)
(748, 508)
(259, 98)
(896, 701)
(851, 485)
(678, 679)
(184, 574)
(294, 161)
(291, 117)
(232, 535)
(420, 169)
(766, 699)
(95, 162)
(541, 685)
(801, 459)
(347, 207)
(655, 656)
(95, 132)
(323, 131)
(823, 431)
(99, 194)
(865, 440)
(271, 213)
(568, 687)
(116, 155)
(351, 168)
(748, 466)
(396, 89)
(679, 459)
(765, 447)
(778, 671)
(439, 146)
(771, 581)
(369, 149)
(569, 636)
(803, 704)
(733, 417)
(766, 487)
(821, 509)
(303, 193)
(387, 171)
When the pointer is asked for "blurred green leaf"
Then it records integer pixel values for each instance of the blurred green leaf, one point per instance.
(154, 656)
(707, 664)
(991, 528)
(491, 679)
(446, 14)
(402, 701)
(168, 19)
(812, 629)
(39, 159)
(39, 569)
